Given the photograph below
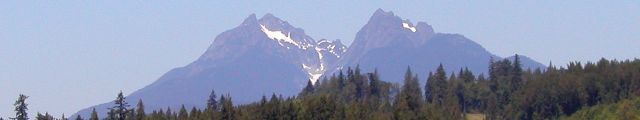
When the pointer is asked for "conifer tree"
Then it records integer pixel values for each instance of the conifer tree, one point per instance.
(63, 117)
(40, 116)
(140, 114)
(212, 102)
(435, 89)
(228, 112)
(374, 84)
(341, 80)
(516, 73)
(131, 115)
(308, 89)
(46, 116)
(21, 108)
(79, 118)
(111, 115)
(182, 114)
(121, 108)
(213, 106)
(94, 115)
(168, 114)
(194, 113)
(409, 101)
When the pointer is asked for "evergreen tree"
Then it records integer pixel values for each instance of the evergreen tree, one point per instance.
(46, 116)
(94, 115)
(131, 115)
(374, 84)
(341, 80)
(408, 103)
(308, 89)
(213, 106)
(121, 107)
(228, 112)
(182, 114)
(140, 114)
(516, 73)
(168, 114)
(111, 115)
(194, 113)
(212, 103)
(436, 85)
(21, 108)
(41, 117)
(63, 117)
(79, 118)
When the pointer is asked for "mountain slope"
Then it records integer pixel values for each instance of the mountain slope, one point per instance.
(268, 55)
(259, 57)
(390, 44)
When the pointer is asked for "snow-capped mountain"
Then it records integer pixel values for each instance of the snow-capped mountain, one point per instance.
(258, 57)
(268, 55)
(391, 44)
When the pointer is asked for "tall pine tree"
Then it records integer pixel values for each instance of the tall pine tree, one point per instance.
(435, 89)
(183, 114)
(308, 89)
(121, 107)
(228, 112)
(94, 115)
(409, 101)
(21, 108)
(140, 114)
(516, 73)
(213, 106)
(79, 118)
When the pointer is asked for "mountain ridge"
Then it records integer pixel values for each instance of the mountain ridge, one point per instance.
(268, 55)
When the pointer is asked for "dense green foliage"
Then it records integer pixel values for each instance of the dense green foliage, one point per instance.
(603, 90)
(628, 109)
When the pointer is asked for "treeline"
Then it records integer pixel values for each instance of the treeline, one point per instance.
(628, 109)
(506, 92)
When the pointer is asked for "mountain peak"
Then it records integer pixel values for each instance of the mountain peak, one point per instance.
(274, 23)
(381, 15)
(380, 12)
(250, 20)
(270, 17)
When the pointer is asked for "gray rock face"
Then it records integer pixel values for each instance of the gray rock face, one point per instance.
(268, 55)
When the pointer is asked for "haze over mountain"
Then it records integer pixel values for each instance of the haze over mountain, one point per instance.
(268, 55)
(259, 57)
(391, 44)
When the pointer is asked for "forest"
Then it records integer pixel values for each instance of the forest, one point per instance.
(606, 89)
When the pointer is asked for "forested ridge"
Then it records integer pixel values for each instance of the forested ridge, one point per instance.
(606, 89)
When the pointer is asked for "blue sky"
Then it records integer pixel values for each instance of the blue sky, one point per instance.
(68, 55)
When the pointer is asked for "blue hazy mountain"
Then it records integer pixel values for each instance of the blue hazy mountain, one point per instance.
(390, 44)
(268, 55)
(258, 57)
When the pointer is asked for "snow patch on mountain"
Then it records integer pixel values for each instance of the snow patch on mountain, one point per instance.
(313, 72)
(406, 25)
(280, 37)
(318, 51)
(331, 48)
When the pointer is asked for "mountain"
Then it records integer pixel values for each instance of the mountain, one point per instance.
(390, 44)
(268, 55)
(258, 57)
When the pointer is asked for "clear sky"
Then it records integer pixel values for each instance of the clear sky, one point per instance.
(67, 55)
